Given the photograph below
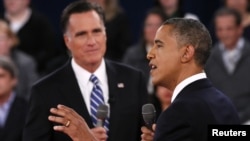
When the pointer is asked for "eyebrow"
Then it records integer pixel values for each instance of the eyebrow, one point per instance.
(80, 33)
(158, 41)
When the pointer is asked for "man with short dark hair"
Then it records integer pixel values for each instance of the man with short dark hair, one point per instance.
(228, 66)
(13, 108)
(85, 82)
(177, 59)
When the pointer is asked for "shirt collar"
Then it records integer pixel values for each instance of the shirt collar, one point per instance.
(7, 104)
(186, 82)
(239, 45)
(80, 72)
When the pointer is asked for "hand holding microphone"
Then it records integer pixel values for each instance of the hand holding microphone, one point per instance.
(149, 114)
(99, 130)
(102, 115)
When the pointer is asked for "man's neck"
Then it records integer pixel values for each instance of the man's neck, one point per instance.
(17, 15)
(4, 98)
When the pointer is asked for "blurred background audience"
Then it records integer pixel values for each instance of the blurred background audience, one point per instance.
(242, 6)
(26, 65)
(173, 8)
(36, 35)
(13, 108)
(117, 29)
(228, 66)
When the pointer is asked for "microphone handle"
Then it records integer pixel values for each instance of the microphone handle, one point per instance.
(99, 123)
(149, 126)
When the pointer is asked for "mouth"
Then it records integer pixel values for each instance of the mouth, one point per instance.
(152, 66)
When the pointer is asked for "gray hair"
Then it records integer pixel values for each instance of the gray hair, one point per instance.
(192, 32)
(7, 64)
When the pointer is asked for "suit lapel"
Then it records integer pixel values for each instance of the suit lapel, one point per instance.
(112, 82)
(71, 92)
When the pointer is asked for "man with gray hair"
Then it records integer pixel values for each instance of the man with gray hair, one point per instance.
(12, 108)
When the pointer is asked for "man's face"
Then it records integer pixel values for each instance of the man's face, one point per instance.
(15, 6)
(5, 43)
(85, 37)
(7, 83)
(165, 58)
(227, 31)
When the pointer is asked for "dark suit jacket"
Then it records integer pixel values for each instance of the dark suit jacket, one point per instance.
(61, 87)
(12, 131)
(197, 105)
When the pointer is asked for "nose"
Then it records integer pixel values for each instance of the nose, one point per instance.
(150, 54)
(91, 40)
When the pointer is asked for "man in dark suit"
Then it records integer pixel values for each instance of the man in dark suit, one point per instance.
(123, 88)
(177, 61)
(13, 108)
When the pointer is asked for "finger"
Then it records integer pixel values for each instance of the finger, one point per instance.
(145, 130)
(58, 112)
(99, 130)
(147, 137)
(57, 119)
(154, 127)
(69, 111)
(99, 133)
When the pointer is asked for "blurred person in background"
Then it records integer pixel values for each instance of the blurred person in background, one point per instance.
(162, 100)
(136, 54)
(34, 31)
(13, 108)
(173, 8)
(26, 65)
(228, 66)
(118, 29)
(243, 7)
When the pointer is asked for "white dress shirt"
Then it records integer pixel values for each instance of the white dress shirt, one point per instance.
(5, 109)
(86, 86)
(231, 57)
(186, 82)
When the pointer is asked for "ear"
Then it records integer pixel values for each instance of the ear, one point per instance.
(187, 53)
(14, 82)
(67, 41)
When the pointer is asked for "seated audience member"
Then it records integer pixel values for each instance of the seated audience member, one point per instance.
(228, 66)
(173, 8)
(25, 64)
(242, 6)
(117, 28)
(34, 31)
(164, 95)
(136, 54)
(13, 108)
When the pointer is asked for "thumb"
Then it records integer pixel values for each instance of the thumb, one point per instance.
(153, 127)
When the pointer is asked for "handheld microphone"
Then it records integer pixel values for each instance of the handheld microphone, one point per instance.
(149, 114)
(101, 115)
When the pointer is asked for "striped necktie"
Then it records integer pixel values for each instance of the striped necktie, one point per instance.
(96, 99)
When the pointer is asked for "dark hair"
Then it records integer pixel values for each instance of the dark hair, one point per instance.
(79, 7)
(7, 64)
(229, 12)
(157, 11)
(192, 32)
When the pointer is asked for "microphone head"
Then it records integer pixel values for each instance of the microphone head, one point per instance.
(102, 111)
(148, 113)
